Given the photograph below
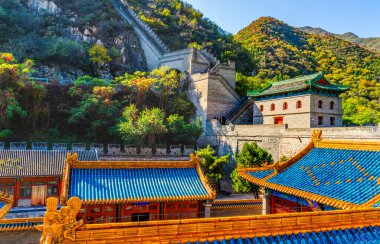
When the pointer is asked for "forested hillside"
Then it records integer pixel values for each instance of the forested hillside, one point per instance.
(58, 38)
(281, 51)
(372, 43)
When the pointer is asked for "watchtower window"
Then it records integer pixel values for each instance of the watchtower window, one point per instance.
(272, 107)
(332, 104)
(299, 104)
(320, 120)
(261, 108)
(285, 106)
(320, 104)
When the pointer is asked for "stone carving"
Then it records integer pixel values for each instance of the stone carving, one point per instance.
(316, 136)
(79, 147)
(188, 149)
(161, 151)
(18, 145)
(114, 149)
(59, 146)
(99, 147)
(8, 202)
(146, 151)
(59, 226)
(131, 151)
(39, 146)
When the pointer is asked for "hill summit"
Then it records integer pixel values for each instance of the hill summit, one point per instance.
(280, 51)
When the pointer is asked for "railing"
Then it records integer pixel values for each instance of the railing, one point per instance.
(244, 102)
(48, 80)
(127, 13)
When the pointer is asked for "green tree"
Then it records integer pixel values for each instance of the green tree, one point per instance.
(166, 82)
(128, 127)
(151, 123)
(136, 126)
(13, 77)
(212, 165)
(98, 55)
(180, 132)
(251, 155)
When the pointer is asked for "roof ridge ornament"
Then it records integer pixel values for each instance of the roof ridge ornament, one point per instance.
(59, 226)
(316, 136)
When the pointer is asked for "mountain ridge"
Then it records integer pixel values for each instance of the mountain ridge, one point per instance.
(371, 43)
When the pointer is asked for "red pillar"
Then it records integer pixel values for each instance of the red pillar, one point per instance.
(59, 187)
(16, 192)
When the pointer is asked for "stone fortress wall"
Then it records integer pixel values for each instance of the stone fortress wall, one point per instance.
(281, 141)
(210, 85)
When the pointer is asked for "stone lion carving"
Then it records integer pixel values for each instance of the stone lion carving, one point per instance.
(60, 225)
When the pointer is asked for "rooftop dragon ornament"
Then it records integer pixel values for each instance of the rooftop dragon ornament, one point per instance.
(60, 225)
(8, 202)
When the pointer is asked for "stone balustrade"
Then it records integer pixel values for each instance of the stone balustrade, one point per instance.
(39, 145)
(105, 149)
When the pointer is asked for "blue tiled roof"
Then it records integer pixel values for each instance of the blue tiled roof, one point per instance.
(358, 235)
(136, 184)
(347, 175)
(261, 174)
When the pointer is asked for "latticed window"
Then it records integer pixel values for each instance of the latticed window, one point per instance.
(320, 104)
(332, 104)
(272, 107)
(299, 104)
(285, 106)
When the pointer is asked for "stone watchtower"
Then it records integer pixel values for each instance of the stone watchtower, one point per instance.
(303, 102)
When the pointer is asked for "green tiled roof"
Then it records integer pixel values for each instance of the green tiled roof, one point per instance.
(297, 84)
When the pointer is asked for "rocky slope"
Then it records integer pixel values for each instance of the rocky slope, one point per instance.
(58, 33)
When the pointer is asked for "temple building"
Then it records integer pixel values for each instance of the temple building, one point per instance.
(137, 191)
(31, 176)
(303, 102)
(325, 175)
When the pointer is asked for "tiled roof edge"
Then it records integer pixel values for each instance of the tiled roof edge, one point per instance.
(206, 184)
(299, 193)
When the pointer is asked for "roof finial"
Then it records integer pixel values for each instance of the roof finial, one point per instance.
(316, 136)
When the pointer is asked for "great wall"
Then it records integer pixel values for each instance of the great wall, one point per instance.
(210, 86)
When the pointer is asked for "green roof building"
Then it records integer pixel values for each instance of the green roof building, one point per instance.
(303, 102)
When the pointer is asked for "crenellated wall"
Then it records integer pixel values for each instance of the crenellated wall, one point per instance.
(281, 141)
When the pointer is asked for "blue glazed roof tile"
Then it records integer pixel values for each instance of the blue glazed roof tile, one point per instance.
(347, 175)
(261, 174)
(134, 185)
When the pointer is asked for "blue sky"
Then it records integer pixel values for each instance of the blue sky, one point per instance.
(361, 17)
